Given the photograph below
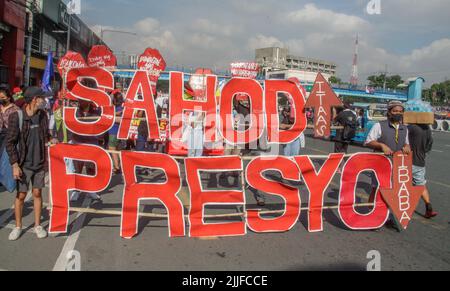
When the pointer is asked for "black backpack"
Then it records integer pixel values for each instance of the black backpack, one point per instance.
(350, 126)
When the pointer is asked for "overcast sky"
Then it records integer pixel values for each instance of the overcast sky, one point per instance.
(411, 36)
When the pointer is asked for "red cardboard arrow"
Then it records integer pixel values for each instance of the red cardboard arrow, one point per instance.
(403, 198)
(322, 99)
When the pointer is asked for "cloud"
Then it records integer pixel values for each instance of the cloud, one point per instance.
(324, 19)
(147, 26)
(407, 36)
(262, 41)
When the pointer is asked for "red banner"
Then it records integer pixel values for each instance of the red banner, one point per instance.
(101, 56)
(152, 62)
(245, 70)
(71, 60)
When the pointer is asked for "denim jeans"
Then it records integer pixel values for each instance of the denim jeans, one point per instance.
(292, 149)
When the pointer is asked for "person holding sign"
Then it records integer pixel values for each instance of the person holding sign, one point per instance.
(389, 137)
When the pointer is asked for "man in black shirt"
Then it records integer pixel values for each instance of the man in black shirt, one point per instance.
(28, 133)
(348, 119)
(421, 142)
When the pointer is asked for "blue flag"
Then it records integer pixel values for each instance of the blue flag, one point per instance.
(48, 74)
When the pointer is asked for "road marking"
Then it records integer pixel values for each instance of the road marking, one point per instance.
(11, 211)
(437, 151)
(439, 183)
(319, 151)
(69, 245)
(5, 217)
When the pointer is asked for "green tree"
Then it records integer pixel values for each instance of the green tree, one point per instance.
(335, 80)
(438, 94)
(378, 81)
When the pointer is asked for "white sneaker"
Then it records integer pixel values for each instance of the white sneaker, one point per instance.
(40, 232)
(75, 196)
(15, 234)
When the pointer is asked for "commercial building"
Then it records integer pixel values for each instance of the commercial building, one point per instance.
(279, 63)
(50, 22)
(50, 35)
(12, 41)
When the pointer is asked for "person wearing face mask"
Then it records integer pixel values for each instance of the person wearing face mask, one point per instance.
(7, 108)
(28, 134)
(389, 136)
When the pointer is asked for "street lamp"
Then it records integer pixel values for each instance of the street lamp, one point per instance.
(102, 31)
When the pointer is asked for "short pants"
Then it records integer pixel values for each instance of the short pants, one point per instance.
(113, 141)
(419, 176)
(37, 179)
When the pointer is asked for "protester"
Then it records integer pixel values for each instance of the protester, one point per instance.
(86, 109)
(63, 135)
(113, 141)
(347, 119)
(421, 144)
(292, 149)
(18, 96)
(142, 141)
(193, 134)
(389, 137)
(362, 121)
(26, 142)
(7, 108)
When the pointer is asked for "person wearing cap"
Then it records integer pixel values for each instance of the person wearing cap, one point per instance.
(28, 134)
(18, 97)
(389, 136)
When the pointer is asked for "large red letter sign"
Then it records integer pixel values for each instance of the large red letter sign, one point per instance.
(254, 91)
(290, 195)
(61, 182)
(317, 184)
(105, 81)
(200, 198)
(178, 105)
(358, 163)
(297, 95)
(166, 192)
(139, 85)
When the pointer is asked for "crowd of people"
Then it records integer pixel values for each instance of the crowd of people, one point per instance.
(31, 118)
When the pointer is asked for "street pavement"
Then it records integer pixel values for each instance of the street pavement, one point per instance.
(96, 238)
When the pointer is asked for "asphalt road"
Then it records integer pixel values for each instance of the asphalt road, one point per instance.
(96, 238)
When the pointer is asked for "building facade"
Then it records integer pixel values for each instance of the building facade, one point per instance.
(12, 41)
(279, 61)
(49, 19)
(50, 27)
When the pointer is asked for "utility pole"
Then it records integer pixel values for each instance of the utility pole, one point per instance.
(30, 12)
(69, 28)
(385, 77)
